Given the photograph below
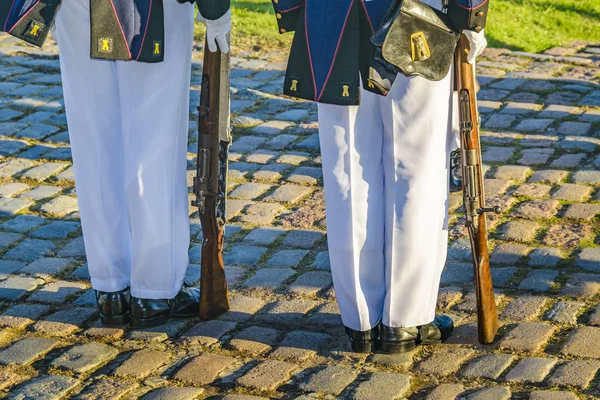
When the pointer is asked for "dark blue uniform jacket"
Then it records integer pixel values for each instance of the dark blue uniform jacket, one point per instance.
(121, 29)
(332, 50)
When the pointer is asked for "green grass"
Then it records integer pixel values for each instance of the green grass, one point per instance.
(529, 25)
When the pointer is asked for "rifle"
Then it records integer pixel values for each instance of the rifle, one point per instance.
(210, 184)
(474, 195)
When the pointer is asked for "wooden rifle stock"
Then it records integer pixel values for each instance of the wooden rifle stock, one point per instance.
(474, 195)
(210, 183)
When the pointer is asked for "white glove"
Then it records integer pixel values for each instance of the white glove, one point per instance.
(216, 31)
(478, 43)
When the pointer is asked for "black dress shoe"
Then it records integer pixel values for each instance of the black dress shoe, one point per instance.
(437, 331)
(456, 182)
(113, 307)
(146, 313)
(397, 340)
(363, 341)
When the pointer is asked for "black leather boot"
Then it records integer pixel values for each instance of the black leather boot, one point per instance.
(363, 341)
(146, 313)
(113, 307)
(456, 182)
(397, 340)
(437, 331)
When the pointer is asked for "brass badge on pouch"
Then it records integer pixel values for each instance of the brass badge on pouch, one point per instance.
(294, 85)
(35, 29)
(105, 45)
(157, 48)
(345, 91)
(420, 48)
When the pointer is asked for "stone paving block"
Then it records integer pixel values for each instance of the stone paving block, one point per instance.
(65, 322)
(21, 315)
(8, 379)
(280, 142)
(328, 315)
(574, 128)
(589, 259)
(382, 385)
(174, 393)
(520, 231)
(446, 391)
(81, 273)
(56, 230)
(287, 258)
(249, 191)
(271, 128)
(533, 190)
(247, 144)
(10, 168)
(98, 331)
(10, 207)
(7, 239)
(61, 206)
(57, 292)
(9, 267)
(572, 192)
(22, 223)
(527, 336)
(293, 158)
(244, 255)
(537, 209)
(530, 370)
(142, 363)
(534, 125)
(263, 236)
(305, 175)
(74, 248)
(287, 311)
(11, 147)
(44, 171)
(290, 194)
(272, 173)
(564, 312)
(268, 375)
(489, 366)
(512, 172)
(567, 236)
(469, 303)
(552, 395)
(568, 160)
(457, 272)
(322, 261)
(269, 278)
(300, 345)
(255, 340)
(37, 132)
(261, 156)
(499, 121)
(578, 373)
(26, 351)
(582, 342)
(332, 380)
(548, 176)
(305, 239)
(582, 211)
(492, 393)
(445, 361)
(14, 289)
(203, 369)
(557, 111)
(535, 156)
(41, 192)
(501, 276)
(242, 308)
(310, 283)
(509, 254)
(11, 189)
(580, 143)
(261, 213)
(67, 175)
(50, 387)
(107, 389)
(587, 177)
(160, 333)
(207, 333)
(30, 250)
(47, 266)
(540, 280)
(582, 285)
(85, 357)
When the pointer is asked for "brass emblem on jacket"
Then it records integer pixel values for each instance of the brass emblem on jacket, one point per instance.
(345, 91)
(35, 29)
(420, 47)
(105, 45)
(156, 49)
(294, 86)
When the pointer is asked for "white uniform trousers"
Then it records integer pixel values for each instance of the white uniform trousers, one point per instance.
(128, 124)
(385, 166)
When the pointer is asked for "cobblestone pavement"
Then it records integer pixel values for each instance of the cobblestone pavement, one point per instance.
(283, 338)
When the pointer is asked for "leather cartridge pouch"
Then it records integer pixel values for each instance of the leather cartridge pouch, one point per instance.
(417, 40)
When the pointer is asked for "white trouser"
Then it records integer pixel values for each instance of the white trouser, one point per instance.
(128, 124)
(385, 166)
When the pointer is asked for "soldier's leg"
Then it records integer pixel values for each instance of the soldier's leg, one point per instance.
(154, 99)
(93, 114)
(351, 147)
(417, 140)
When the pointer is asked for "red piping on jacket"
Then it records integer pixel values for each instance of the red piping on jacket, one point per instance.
(121, 28)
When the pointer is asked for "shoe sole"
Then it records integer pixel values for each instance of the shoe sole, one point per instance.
(114, 320)
(148, 322)
(396, 348)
